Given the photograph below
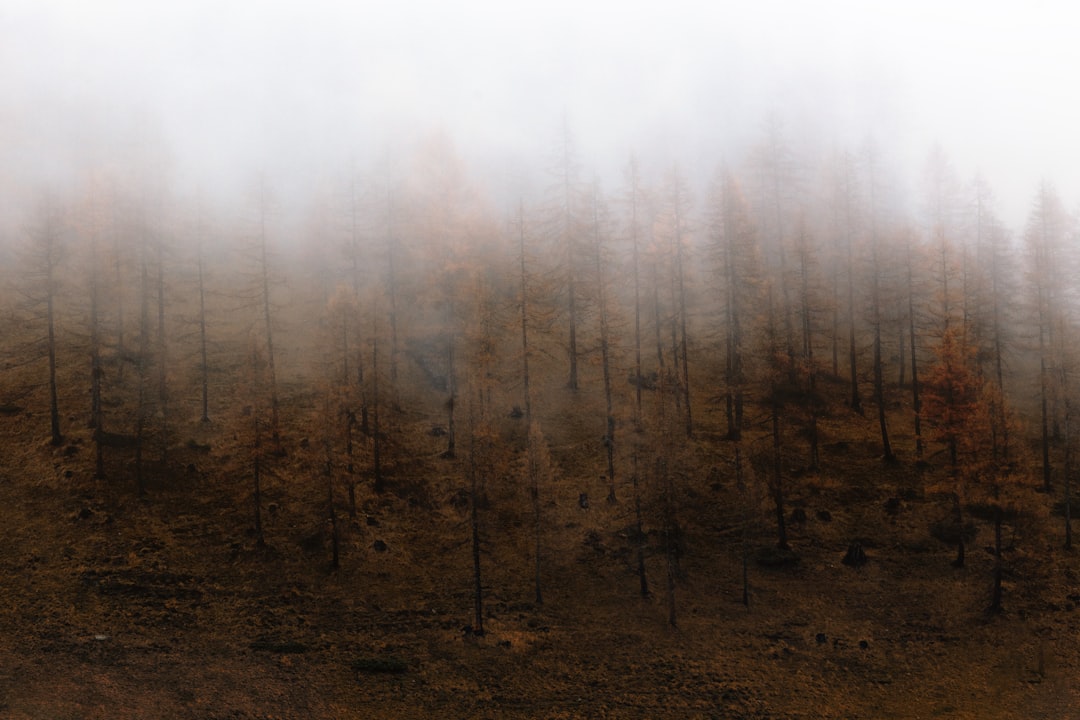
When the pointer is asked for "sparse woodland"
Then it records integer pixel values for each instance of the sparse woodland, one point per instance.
(786, 411)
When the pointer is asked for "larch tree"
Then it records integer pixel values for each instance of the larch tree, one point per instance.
(775, 168)
(43, 255)
(635, 201)
(673, 231)
(809, 293)
(1044, 240)
(565, 225)
(876, 299)
(735, 244)
(845, 202)
(599, 232)
(953, 392)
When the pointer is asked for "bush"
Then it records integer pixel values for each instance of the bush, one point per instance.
(950, 532)
(385, 666)
(775, 557)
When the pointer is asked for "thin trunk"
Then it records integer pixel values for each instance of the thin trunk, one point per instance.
(733, 335)
(856, 401)
(571, 259)
(1044, 389)
(451, 385)
(605, 351)
(163, 390)
(740, 483)
(657, 322)
(95, 347)
(879, 380)
(54, 404)
(379, 487)
(836, 323)
(901, 360)
(682, 336)
(275, 426)
(637, 295)
(391, 286)
(474, 522)
(526, 390)
(995, 603)
(350, 468)
(335, 550)
(1066, 469)
(533, 450)
(670, 537)
(204, 369)
(141, 371)
(916, 402)
(260, 540)
(778, 480)
(96, 419)
(639, 540)
(808, 352)
(118, 282)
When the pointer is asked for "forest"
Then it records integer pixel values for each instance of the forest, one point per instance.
(642, 447)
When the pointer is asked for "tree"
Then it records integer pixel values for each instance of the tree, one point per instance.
(952, 395)
(635, 201)
(565, 224)
(599, 231)
(845, 204)
(735, 244)
(808, 293)
(673, 227)
(42, 259)
(1044, 239)
(876, 301)
(775, 166)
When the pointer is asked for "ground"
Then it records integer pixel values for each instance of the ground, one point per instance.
(114, 606)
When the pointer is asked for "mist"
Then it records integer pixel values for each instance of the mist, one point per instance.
(216, 93)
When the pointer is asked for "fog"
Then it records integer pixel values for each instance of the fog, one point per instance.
(217, 92)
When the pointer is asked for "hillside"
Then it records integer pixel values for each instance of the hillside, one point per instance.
(166, 607)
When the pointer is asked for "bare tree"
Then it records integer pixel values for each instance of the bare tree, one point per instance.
(42, 258)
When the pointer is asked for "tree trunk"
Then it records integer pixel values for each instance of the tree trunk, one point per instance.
(160, 343)
(57, 437)
(639, 540)
(778, 481)
(605, 350)
(204, 368)
(379, 486)
(474, 522)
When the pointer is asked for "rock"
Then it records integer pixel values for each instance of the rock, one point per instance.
(583, 501)
(798, 516)
(824, 516)
(821, 639)
(892, 506)
(863, 645)
(380, 546)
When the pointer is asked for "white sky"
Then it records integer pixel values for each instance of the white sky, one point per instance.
(301, 88)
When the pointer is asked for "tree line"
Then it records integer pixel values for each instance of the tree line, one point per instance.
(726, 317)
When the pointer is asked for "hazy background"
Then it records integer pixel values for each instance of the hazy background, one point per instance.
(216, 91)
